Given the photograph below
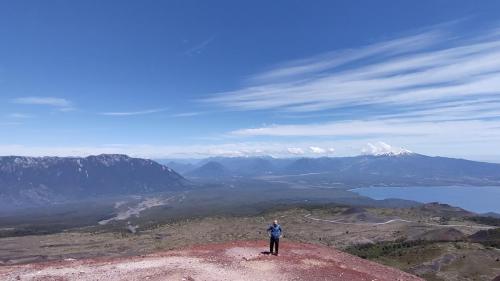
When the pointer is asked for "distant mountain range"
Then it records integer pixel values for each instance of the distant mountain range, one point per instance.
(385, 169)
(47, 180)
(35, 181)
(211, 169)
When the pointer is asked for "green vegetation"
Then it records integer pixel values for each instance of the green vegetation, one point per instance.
(376, 250)
(485, 220)
(31, 230)
(488, 238)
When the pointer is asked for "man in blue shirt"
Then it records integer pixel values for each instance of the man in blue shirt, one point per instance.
(275, 233)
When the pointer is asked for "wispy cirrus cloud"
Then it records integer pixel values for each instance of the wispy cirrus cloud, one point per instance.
(19, 115)
(466, 138)
(198, 49)
(133, 113)
(412, 72)
(9, 123)
(60, 103)
(188, 114)
(325, 62)
(434, 87)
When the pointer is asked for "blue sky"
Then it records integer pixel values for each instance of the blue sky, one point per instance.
(285, 78)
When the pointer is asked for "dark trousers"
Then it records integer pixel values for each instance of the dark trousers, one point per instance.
(274, 242)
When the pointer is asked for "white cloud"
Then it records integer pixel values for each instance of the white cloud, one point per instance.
(159, 151)
(338, 58)
(478, 150)
(19, 115)
(10, 124)
(188, 114)
(428, 97)
(295, 150)
(397, 74)
(133, 113)
(198, 49)
(62, 104)
(380, 148)
(317, 150)
(411, 130)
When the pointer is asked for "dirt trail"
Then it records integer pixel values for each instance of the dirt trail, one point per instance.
(229, 261)
(339, 221)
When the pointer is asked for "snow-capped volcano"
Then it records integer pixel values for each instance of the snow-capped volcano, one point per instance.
(381, 148)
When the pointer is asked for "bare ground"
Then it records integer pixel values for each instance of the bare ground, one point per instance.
(242, 260)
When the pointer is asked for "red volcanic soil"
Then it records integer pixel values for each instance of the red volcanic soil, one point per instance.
(230, 261)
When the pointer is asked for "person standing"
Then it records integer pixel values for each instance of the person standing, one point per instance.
(275, 233)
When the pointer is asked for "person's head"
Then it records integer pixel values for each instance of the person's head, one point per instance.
(275, 222)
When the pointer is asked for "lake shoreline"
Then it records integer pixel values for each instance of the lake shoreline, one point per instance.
(478, 199)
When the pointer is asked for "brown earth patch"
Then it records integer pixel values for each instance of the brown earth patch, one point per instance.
(245, 260)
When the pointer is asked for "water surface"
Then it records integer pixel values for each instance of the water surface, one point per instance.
(480, 199)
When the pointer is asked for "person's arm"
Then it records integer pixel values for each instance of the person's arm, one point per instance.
(281, 232)
(269, 231)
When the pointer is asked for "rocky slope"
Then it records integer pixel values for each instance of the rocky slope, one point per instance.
(230, 261)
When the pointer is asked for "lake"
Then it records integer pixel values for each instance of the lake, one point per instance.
(481, 199)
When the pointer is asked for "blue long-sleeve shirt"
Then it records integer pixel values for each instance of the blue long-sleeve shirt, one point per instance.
(275, 231)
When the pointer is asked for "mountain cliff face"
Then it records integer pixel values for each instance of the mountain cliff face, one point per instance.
(43, 180)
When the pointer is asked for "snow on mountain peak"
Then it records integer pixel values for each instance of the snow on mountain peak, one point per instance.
(110, 159)
(382, 148)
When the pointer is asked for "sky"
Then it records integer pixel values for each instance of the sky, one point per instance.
(191, 79)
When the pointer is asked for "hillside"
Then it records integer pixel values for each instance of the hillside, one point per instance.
(230, 261)
(48, 180)
(415, 240)
(212, 170)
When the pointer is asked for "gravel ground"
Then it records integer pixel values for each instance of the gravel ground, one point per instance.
(245, 260)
